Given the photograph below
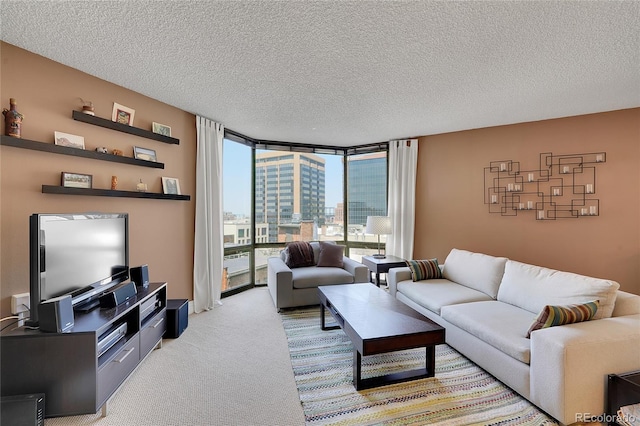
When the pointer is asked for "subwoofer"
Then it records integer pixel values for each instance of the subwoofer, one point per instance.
(23, 410)
(177, 317)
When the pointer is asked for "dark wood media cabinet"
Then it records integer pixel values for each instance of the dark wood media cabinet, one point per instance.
(69, 368)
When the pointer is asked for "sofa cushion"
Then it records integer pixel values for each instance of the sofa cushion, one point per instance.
(501, 325)
(435, 294)
(424, 269)
(533, 287)
(330, 255)
(312, 276)
(475, 270)
(298, 254)
(552, 316)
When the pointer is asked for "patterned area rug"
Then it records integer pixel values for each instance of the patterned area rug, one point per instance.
(461, 393)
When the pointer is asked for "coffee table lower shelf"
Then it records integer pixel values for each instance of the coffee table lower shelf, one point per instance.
(389, 379)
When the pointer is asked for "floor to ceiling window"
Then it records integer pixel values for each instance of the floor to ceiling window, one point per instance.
(367, 196)
(296, 198)
(238, 224)
(285, 192)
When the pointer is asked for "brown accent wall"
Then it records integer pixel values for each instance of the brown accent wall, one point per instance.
(161, 231)
(450, 209)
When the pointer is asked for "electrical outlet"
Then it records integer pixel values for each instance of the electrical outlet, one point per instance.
(20, 303)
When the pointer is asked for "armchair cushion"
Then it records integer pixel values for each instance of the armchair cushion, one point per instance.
(310, 277)
(331, 255)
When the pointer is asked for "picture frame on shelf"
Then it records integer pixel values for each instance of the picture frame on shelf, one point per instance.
(122, 114)
(68, 140)
(171, 186)
(160, 129)
(146, 154)
(76, 180)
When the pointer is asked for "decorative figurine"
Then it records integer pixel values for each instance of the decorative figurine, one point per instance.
(114, 182)
(87, 107)
(117, 152)
(12, 120)
(142, 187)
(102, 150)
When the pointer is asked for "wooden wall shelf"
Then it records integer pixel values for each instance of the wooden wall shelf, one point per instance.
(103, 122)
(57, 149)
(51, 189)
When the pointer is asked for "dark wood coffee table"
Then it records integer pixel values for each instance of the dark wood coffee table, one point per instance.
(377, 323)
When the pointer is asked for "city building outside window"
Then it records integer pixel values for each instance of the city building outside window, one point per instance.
(292, 197)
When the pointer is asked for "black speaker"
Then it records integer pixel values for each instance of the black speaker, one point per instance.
(177, 317)
(118, 296)
(56, 315)
(23, 410)
(140, 276)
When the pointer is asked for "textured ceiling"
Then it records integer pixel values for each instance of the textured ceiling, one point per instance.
(348, 73)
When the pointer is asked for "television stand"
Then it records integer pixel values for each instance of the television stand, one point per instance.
(35, 362)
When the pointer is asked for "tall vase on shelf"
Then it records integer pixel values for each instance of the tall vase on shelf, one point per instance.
(12, 120)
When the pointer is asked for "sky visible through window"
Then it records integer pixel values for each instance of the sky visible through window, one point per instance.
(236, 171)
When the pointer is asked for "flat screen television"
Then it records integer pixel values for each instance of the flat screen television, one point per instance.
(81, 255)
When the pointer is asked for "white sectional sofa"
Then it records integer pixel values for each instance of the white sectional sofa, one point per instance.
(487, 305)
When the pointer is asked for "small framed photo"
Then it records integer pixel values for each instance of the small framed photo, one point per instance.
(160, 129)
(76, 180)
(146, 154)
(67, 139)
(122, 114)
(170, 186)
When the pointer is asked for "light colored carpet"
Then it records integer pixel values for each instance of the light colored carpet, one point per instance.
(231, 366)
(461, 393)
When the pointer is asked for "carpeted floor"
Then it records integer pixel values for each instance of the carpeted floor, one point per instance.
(461, 393)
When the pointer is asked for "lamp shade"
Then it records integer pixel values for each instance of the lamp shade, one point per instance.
(378, 225)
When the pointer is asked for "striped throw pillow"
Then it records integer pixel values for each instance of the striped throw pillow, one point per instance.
(424, 269)
(561, 315)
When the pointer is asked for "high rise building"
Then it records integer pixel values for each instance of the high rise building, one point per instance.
(366, 187)
(290, 188)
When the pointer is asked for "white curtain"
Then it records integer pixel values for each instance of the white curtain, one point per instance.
(208, 247)
(403, 166)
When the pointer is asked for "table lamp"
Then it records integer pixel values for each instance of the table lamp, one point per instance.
(379, 225)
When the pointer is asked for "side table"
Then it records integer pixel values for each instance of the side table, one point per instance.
(379, 266)
(622, 389)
